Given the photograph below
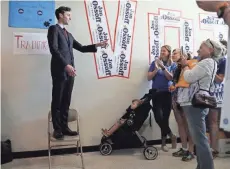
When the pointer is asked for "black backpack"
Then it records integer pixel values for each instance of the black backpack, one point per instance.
(6, 152)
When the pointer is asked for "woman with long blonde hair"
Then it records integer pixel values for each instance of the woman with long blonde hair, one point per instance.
(160, 73)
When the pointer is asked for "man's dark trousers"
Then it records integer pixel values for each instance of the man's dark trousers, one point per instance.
(61, 98)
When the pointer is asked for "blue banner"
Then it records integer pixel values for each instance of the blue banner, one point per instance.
(31, 14)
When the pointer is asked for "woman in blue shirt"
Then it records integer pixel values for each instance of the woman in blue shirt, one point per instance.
(160, 73)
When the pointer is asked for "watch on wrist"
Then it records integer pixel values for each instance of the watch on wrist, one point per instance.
(221, 8)
(163, 68)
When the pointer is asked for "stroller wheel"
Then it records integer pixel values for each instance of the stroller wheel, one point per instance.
(106, 149)
(150, 153)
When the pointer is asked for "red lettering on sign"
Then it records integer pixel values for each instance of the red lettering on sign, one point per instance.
(38, 45)
(18, 36)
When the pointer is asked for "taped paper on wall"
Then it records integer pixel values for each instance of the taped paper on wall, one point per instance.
(170, 17)
(124, 37)
(99, 31)
(115, 60)
(173, 19)
(187, 35)
(220, 33)
(156, 36)
(210, 22)
(31, 14)
(30, 44)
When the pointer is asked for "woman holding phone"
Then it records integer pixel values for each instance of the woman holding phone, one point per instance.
(187, 151)
(160, 73)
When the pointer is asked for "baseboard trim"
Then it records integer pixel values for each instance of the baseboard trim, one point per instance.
(62, 151)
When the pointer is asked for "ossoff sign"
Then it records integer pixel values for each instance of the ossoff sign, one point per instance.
(157, 34)
(114, 60)
(31, 44)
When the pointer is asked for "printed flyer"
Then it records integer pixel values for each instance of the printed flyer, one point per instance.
(187, 35)
(210, 22)
(124, 38)
(168, 18)
(99, 32)
(220, 33)
(115, 59)
(30, 44)
(156, 36)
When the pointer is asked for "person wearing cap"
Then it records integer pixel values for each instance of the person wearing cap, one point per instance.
(200, 78)
(160, 73)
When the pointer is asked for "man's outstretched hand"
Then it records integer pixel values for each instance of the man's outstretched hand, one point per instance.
(102, 44)
(210, 6)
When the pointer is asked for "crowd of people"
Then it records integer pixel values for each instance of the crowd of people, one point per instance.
(176, 76)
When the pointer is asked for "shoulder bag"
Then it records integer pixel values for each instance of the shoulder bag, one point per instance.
(201, 100)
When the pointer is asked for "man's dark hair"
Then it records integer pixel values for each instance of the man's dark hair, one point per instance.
(61, 10)
(224, 42)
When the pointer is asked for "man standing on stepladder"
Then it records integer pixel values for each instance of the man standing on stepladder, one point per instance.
(61, 44)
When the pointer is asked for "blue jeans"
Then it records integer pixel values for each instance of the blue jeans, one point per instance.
(197, 128)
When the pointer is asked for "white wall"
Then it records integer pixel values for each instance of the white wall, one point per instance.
(26, 81)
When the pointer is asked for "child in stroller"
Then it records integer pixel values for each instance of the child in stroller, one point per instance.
(122, 120)
(125, 131)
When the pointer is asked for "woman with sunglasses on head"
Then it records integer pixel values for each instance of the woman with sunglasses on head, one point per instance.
(160, 73)
(200, 78)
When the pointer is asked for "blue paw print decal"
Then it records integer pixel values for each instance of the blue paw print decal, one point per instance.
(225, 121)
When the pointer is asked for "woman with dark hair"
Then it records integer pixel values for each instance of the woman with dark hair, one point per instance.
(160, 73)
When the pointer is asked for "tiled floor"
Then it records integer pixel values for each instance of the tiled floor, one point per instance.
(122, 159)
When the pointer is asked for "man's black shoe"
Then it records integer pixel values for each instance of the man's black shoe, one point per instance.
(57, 134)
(66, 131)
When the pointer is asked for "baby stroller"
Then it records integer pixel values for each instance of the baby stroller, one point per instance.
(127, 135)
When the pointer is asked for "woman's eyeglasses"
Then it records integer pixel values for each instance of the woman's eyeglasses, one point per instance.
(210, 43)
